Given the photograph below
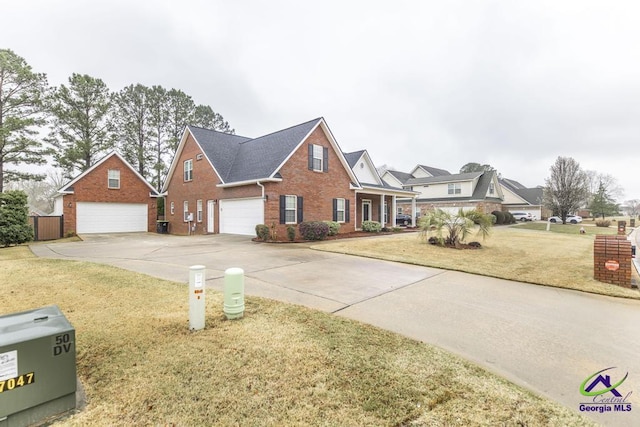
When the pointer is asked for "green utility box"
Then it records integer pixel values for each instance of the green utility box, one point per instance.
(37, 366)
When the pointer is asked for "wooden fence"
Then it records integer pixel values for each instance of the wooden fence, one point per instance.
(47, 227)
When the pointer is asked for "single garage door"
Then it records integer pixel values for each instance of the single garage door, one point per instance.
(241, 216)
(111, 217)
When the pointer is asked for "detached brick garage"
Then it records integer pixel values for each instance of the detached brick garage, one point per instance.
(109, 197)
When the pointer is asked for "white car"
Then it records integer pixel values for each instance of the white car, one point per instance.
(571, 219)
(522, 216)
(574, 219)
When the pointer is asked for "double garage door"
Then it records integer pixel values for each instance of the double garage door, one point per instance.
(241, 216)
(92, 217)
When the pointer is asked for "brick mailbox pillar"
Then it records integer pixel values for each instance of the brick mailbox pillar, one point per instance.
(612, 260)
(622, 228)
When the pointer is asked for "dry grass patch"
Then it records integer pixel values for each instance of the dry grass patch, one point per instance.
(515, 253)
(280, 365)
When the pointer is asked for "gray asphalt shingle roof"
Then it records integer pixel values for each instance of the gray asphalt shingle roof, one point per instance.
(352, 158)
(238, 158)
(444, 178)
(400, 176)
(435, 171)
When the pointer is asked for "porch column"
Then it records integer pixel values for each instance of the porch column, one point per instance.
(413, 212)
(394, 211)
(382, 211)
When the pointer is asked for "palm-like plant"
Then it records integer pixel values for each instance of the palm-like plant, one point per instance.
(452, 229)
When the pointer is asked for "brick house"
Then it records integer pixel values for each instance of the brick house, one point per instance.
(221, 183)
(109, 197)
(437, 188)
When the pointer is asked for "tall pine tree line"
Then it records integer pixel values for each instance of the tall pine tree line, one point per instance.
(86, 120)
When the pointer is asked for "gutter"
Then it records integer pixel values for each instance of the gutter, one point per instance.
(249, 182)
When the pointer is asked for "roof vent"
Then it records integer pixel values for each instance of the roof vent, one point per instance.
(199, 156)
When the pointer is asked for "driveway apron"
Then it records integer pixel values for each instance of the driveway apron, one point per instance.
(546, 339)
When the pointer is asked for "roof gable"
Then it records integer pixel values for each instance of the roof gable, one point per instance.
(68, 188)
(237, 159)
(422, 171)
(363, 167)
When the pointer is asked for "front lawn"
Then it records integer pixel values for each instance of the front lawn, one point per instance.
(280, 365)
(562, 257)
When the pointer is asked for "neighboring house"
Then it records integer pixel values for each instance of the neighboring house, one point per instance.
(221, 183)
(109, 197)
(518, 198)
(437, 188)
(377, 199)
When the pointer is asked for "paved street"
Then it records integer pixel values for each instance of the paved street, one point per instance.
(546, 339)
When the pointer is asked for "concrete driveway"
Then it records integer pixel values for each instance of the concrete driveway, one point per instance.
(545, 339)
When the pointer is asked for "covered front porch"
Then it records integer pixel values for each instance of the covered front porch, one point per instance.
(378, 204)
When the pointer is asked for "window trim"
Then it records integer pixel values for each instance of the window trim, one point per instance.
(187, 171)
(343, 210)
(172, 208)
(185, 210)
(454, 188)
(294, 209)
(109, 179)
(199, 210)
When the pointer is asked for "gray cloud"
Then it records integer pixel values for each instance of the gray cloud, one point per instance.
(513, 84)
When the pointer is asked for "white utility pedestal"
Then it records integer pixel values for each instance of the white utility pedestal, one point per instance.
(196, 297)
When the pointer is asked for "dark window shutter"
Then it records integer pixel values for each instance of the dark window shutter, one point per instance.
(300, 210)
(347, 215)
(283, 204)
(325, 159)
(310, 156)
(335, 209)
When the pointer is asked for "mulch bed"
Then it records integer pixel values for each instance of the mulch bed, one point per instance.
(338, 236)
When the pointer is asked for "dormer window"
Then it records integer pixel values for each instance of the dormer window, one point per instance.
(492, 188)
(454, 188)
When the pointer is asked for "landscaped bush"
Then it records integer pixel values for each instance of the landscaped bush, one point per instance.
(291, 233)
(371, 226)
(493, 219)
(334, 227)
(603, 223)
(499, 217)
(262, 232)
(509, 218)
(314, 230)
(14, 219)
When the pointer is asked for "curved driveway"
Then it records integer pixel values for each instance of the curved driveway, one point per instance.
(546, 339)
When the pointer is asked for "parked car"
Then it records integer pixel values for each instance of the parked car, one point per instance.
(571, 219)
(403, 219)
(574, 219)
(522, 216)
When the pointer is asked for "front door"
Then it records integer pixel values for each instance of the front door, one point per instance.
(366, 210)
(210, 212)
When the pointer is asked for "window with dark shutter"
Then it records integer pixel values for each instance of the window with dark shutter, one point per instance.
(300, 209)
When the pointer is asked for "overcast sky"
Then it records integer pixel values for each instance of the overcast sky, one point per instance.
(513, 84)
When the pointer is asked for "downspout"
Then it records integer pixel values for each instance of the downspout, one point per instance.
(262, 187)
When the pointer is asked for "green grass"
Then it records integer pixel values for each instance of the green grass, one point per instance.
(279, 365)
(561, 257)
(568, 228)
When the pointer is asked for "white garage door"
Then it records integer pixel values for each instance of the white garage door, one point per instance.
(241, 216)
(111, 217)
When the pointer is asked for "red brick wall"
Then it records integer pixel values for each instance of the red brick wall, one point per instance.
(93, 187)
(318, 189)
(607, 248)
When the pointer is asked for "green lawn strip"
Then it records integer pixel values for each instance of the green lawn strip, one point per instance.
(515, 253)
(280, 365)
